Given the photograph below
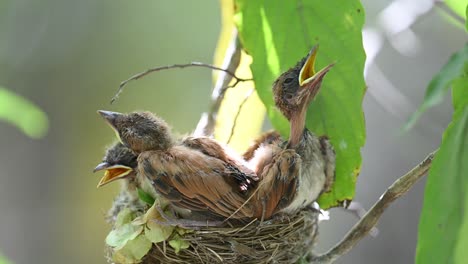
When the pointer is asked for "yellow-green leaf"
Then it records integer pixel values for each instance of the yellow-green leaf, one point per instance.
(4, 260)
(157, 233)
(133, 251)
(125, 216)
(182, 231)
(119, 237)
(458, 6)
(177, 243)
(279, 33)
(252, 112)
(22, 113)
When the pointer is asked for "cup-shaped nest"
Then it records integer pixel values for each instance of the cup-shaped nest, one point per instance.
(282, 239)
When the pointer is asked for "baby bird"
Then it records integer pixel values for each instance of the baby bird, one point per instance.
(196, 174)
(294, 173)
(120, 163)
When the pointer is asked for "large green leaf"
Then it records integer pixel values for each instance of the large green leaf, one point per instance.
(466, 18)
(443, 227)
(279, 33)
(22, 113)
(441, 83)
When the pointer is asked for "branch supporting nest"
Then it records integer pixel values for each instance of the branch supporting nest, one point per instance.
(365, 225)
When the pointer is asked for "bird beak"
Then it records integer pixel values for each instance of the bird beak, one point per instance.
(101, 166)
(308, 78)
(110, 117)
(112, 173)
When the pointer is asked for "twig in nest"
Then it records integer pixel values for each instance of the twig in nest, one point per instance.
(180, 66)
(363, 227)
(234, 124)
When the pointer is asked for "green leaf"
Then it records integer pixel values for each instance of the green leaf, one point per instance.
(119, 237)
(279, 33)
(443, 227)
(157, 233)
(125, 216)
(23, 114)
(440, 84)
(466, 17)
(4, 260)
(458, 6)
(145, 197)
(460, 90)
(182, 231)
(133, 251)
(177, 243)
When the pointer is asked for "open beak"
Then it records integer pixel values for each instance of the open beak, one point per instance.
(112, 173)
(308, 78)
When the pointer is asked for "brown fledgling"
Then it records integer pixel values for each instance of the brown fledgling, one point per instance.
(294, 173)
(196, 174)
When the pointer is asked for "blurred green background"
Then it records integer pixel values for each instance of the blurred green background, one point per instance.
(68, 57)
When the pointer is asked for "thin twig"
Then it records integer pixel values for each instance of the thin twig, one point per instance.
(362, 228)
(227, 72)
(239, 110)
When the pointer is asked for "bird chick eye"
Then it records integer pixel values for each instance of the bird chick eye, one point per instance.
(288, 80)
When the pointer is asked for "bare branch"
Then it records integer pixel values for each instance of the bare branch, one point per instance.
(363, 227)
(227, 72)
(206, 125)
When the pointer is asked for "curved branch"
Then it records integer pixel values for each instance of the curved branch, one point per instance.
(364, 226)
(228, 72)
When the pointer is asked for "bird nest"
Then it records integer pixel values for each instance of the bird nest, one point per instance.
(283, 239)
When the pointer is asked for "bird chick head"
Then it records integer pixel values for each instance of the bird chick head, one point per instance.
(119, 162)
(295, 88)
(139, 131)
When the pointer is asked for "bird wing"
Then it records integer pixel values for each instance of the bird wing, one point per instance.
(279, 182)
(210, 147)
(192, 180)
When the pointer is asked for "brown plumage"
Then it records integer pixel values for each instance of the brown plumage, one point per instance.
(196, 173)
(292, 173)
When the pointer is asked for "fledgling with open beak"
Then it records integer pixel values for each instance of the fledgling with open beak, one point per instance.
(294, 173)
(196, 173)
(119, 163)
